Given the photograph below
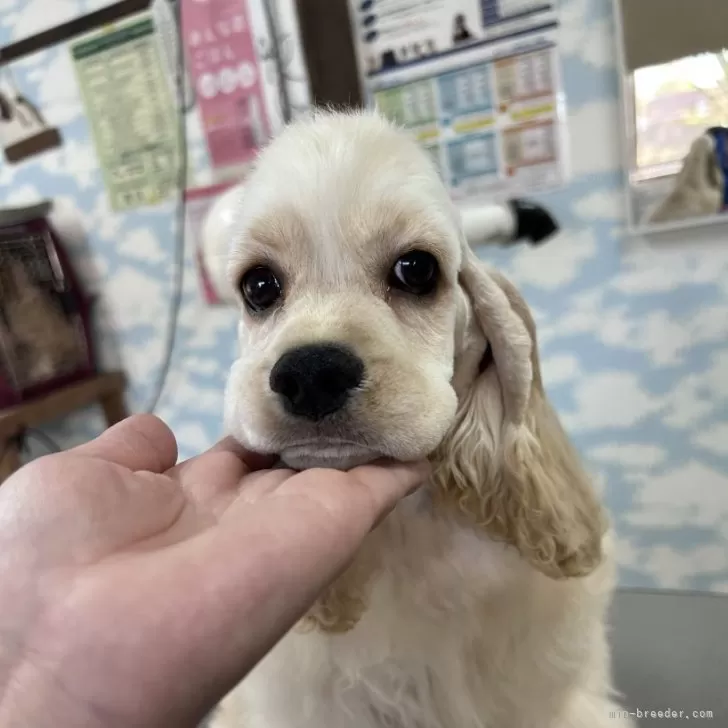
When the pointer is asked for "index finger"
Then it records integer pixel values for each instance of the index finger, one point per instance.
(215, 475)
(358, 499)
(388, 483)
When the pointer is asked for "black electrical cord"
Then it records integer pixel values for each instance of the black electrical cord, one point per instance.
(180, 248)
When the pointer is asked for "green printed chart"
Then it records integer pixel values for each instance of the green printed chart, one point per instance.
(131, 109)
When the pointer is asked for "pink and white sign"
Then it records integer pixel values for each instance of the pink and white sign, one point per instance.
(226, 75)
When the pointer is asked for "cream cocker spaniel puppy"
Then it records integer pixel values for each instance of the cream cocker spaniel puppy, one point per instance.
(368, 328)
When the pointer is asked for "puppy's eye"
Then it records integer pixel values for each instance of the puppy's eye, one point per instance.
(416, 272)
(260, 288)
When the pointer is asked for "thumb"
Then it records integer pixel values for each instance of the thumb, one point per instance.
(140, 442)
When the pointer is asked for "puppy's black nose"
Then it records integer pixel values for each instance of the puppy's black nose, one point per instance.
(316, 380)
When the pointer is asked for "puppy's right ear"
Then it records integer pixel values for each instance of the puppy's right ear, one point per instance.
(511, 343)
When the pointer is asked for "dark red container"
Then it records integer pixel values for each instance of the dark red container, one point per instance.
(45, 331)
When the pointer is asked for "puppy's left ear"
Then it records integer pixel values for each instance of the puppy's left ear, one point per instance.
(518, 477)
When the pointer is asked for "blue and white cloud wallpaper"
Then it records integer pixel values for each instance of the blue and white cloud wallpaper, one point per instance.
(634, 337)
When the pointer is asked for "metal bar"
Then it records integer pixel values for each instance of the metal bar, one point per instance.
(73, 28)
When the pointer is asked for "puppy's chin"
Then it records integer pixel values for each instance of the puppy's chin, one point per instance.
(338, 457)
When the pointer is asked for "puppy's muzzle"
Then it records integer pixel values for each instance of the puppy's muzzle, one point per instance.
(316, 380)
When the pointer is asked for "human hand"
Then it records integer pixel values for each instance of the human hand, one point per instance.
(136, 592)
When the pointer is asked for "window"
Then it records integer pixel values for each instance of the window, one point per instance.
(674, 103)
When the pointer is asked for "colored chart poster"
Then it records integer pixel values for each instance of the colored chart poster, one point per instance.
(131, 109)
(227, 78)
(488, 111)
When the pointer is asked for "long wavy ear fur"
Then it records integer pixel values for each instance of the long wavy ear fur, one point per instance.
(507, 463)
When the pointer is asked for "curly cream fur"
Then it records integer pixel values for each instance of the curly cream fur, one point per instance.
(529, 492)
(343, 603)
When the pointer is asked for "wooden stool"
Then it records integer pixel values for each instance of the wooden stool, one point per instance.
(104, 389)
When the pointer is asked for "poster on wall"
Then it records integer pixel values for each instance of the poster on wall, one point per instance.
(131, 109)
(228, 81)
(476, 82)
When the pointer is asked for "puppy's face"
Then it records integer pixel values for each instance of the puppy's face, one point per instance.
(346, 261)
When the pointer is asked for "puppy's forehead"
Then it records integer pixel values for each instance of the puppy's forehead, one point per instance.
(343, 185)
